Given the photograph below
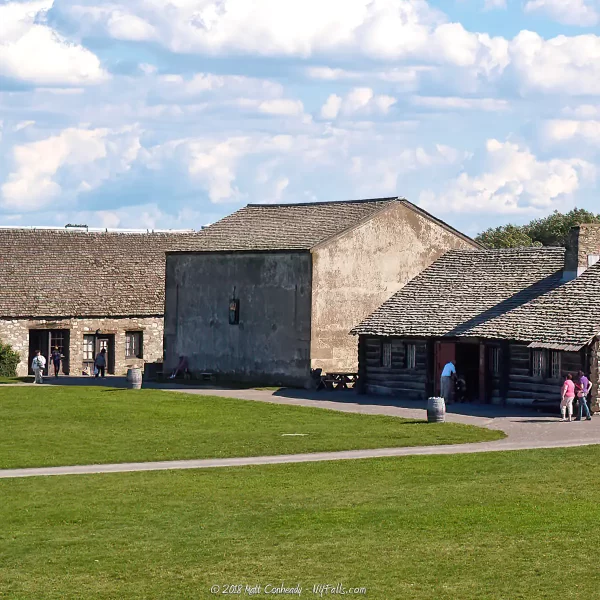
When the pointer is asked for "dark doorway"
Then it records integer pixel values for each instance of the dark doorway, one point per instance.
(45, 340)
(444, 353)
(467, 367)
(93, 344)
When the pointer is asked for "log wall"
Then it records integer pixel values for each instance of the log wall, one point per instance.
(396, 379)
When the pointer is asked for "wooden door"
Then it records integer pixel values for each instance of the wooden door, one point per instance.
(103, 344)
(444, 353)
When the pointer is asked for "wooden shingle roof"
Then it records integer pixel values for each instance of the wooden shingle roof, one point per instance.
(515, 294)
(55, 273)
(265, 227)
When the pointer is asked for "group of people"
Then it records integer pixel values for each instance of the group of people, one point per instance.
(38, 364)
(575, 389)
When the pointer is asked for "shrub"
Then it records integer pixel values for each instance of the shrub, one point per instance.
(9, 359)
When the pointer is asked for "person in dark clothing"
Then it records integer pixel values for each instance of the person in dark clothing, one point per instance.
(56, 358)
(100, 363)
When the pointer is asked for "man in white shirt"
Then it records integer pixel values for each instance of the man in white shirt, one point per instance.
(447, 382)
(38, 365)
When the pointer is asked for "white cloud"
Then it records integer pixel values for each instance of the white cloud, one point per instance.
(563, 130)
(514, 181)
(33, 52)
(453, 103)
(282, 107)
(562, 65)
(583, 111)
(360, 100)
(331, 108)
(82, 158)
(567, 12)
(23, 125)
(377, 29)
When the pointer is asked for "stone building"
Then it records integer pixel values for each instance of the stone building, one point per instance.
(515, 321)
(276, 288)
(83, 291)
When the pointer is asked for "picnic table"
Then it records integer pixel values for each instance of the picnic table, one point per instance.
(338, 381)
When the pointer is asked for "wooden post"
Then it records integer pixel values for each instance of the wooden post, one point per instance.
(362, 365)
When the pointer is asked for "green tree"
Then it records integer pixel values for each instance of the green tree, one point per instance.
(505, 236)
(9, 359)
(552, 230)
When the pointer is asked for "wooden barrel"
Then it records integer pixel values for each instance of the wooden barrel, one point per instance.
(436, 410)
(134, 379)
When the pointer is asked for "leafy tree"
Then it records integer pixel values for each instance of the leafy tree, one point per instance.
(9, 359)
(552, 230)
(505, 236)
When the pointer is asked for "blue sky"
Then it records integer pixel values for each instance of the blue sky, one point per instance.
(174, 113)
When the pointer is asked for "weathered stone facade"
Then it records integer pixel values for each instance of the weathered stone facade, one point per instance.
(16, 333)
(583, 249)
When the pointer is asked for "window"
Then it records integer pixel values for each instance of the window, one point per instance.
(538, 363)
(88, 347)
(411, 356)
(555, 369)
(495, 360)
(133, 344)
(386, 354)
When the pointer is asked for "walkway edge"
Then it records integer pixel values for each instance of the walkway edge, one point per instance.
(212, 463)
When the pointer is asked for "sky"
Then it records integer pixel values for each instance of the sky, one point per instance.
(174, 113)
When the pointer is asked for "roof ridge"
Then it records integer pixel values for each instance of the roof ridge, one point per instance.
(321, 203)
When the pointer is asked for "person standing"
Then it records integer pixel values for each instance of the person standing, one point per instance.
(582, 390)
(100, 363)
(568, 394)
(56, 358)
(447, 381)
(38, 365)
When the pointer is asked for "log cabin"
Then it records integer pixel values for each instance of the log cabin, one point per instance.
(516, 321)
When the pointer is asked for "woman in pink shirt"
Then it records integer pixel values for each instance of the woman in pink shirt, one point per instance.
(568, 394)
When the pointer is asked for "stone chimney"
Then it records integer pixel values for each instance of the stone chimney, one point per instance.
(583, 249)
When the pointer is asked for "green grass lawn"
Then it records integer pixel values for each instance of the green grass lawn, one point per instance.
(515, 525)
(5, 380)
(50, 426)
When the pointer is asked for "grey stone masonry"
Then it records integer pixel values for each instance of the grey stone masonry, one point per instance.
(583, 248)
(16, 333)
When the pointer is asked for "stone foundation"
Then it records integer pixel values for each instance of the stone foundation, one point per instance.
(16, 333)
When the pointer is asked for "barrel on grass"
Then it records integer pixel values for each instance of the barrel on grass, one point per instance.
(134, 378)
(436, 410)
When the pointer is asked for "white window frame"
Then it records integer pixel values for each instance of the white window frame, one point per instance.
(538, 363)
(137, 346)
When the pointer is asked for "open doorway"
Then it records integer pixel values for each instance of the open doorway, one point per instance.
(467, 367)
(45, 340)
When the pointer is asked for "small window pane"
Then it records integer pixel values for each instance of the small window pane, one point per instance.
(495, 361)
(386, 355)
(133, 344)
(538, 363)
(88, 347)
(411, 356)
(556, 365)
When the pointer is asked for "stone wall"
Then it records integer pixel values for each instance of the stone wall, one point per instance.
(359, 270)
(584, 241)
(271, 342)
(16, 333)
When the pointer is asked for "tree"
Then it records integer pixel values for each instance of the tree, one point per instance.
(9, 359)
(505, 236)
(552, 230)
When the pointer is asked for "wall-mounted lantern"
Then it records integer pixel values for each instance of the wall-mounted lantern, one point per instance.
(234, 309)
